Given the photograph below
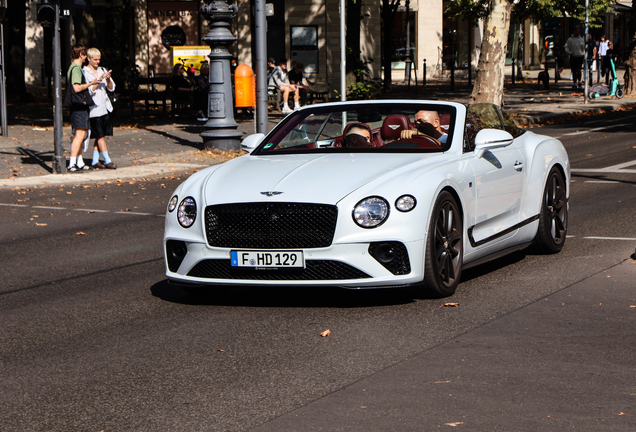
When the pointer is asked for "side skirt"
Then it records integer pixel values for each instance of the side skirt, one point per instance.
(495, 255)
(474, 243)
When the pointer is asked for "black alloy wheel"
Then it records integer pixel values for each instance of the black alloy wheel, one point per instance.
(553, 219)
(444, 248)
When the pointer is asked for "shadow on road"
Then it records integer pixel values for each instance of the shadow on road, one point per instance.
(282, 296)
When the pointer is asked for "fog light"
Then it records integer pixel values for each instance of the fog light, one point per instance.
(392, 255)
(176, 252)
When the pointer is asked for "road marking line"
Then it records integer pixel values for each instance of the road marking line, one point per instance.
(133, 213)
(15, 205)
(596, 129)
(49, 207)
(614, 169)
(610, 238)
(600, 181)
(91, 210)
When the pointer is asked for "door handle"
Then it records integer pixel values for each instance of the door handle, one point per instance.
(519, 166)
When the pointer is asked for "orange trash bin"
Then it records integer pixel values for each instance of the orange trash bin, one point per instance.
(244, 87)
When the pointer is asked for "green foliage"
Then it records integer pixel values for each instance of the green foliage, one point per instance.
(537, 10)
(469, 10)
(363, 90)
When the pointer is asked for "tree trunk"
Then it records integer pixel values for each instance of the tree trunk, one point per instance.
(14, 40)
(489, 82)
(630, 64)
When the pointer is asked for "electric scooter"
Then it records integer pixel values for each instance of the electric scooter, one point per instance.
(615, 89)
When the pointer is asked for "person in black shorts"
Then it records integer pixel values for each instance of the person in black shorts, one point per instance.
(79, 113)
(100, 113)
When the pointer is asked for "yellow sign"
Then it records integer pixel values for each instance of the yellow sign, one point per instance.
(190, 56)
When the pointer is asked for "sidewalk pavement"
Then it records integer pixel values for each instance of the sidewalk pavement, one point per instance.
(151, 146)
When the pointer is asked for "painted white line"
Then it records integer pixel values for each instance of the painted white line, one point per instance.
(600, 181)
(614, 169)
(597, 129)
(133, 213)
(49, 208)
(92, 210)
(15, 205)
(568, 236)
(610, 238)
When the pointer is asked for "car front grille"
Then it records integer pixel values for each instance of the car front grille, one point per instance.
(314, 270)
(270, 225)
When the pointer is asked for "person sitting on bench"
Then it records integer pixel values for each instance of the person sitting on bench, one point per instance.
(279, 79)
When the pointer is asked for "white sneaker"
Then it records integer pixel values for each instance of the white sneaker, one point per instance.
(286, 110)
(296, 106)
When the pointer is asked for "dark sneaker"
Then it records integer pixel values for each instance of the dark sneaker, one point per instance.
(99, 165)
(75, 169)
(111, 165)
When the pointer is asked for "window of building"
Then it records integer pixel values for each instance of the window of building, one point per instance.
(399, 39)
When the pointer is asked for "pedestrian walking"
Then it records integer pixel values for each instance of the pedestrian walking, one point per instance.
(575, 47)
(100, 113)
(600, 66)
(79, 105)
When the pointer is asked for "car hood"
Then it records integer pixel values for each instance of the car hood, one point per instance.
(325, 178)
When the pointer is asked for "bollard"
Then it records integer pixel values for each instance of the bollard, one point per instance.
(244, 87)
(424, 73)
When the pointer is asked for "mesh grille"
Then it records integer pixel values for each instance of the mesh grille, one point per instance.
(270, 225)
(174, 261)
(314, 270)
(399, 264)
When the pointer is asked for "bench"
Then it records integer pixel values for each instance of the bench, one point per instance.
(318, 90)
(153, 90)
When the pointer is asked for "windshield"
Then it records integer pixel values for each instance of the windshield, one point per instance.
(381, 127)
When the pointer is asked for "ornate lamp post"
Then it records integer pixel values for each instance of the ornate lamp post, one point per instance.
(222, 133)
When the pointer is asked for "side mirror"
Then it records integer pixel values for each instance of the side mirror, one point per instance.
(251, 142)
(490, 139)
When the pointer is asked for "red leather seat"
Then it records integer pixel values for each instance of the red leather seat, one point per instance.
(444, 122)
(376, 141)
(394, 124)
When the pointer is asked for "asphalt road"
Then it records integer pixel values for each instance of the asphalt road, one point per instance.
(92, 338)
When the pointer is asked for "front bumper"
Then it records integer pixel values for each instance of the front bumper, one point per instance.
(343, 265)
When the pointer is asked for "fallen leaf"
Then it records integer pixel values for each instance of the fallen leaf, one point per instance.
(325, 333)
(450, 305)
(633, 306)
(40, 224)
(454, 424)
(80, 233)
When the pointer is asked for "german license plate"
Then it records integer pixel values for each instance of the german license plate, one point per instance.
(268, 259)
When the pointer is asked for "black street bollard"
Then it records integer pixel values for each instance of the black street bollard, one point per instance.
(222, 133)
(424, 74)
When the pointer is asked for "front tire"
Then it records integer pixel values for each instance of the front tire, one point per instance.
(620, 93)
(444, 249)
(553, 219)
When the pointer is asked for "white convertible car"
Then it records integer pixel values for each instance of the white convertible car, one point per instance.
(373, 194)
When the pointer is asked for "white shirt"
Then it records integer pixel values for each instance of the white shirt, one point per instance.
(102, 101)
(575, 46)
(602, 48)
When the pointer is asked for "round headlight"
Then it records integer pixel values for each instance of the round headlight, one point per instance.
(405, 203)
(173, 203)
(371, 212)
(187, 212)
